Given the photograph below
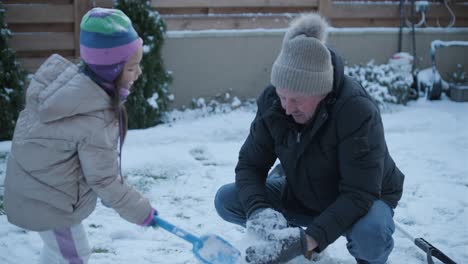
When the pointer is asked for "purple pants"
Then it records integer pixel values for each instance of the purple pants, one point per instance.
(65, 245)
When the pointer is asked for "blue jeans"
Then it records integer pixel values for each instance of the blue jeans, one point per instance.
(369, 239)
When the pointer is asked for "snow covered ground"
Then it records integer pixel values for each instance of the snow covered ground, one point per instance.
(180, 165)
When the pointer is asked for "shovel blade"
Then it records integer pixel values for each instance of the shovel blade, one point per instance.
(212, 249)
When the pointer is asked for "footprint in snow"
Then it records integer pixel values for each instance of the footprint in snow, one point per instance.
(202, 155)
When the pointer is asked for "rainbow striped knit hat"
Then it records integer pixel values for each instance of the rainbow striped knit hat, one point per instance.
(107, 41)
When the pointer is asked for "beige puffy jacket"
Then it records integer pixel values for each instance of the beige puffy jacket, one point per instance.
(64, 153)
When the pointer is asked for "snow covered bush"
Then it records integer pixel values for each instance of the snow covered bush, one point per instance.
(385, 83)
(203, 107)
(150, 95)
(459, 76)
(221, 103)
(12, 82)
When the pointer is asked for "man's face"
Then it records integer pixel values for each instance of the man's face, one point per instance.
(299, 105)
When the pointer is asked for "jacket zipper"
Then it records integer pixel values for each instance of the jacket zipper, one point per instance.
(298, 138)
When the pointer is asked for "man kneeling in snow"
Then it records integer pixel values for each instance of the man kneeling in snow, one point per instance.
(337, 177)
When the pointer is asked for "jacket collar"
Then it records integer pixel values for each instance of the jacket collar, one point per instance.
(338, 74)
(324, 108)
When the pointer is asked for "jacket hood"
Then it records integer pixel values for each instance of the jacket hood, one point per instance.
(59, 90)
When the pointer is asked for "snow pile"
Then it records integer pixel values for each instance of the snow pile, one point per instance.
(203, 107)
(263, 221)
(386, 83)
(217, 251)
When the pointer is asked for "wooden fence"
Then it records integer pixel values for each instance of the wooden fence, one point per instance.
(43, 27)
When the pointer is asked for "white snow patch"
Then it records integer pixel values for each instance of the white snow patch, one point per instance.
(179, 166)
(153, 100)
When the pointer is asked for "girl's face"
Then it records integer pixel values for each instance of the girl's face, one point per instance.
(131, 70)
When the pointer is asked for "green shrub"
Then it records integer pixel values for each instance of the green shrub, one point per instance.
(12, 82)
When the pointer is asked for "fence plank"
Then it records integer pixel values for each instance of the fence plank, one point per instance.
(32, 64)
(231, 3)
(55, 2)
(386, 11)
(42, 41)
(252, 11)
(103, 3)
(39, 13)
(80, 8)
(41, 27)
(363, 11)
(202, 22)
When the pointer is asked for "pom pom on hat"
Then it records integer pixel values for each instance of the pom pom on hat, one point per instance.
(310, 25)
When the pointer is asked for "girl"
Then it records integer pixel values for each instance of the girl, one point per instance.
(64, 152)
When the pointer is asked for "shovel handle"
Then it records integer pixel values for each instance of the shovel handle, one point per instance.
(427, 247)
(177, 231)
(432, 251)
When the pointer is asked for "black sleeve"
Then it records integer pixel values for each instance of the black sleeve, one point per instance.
(255, 160)
(361, 155)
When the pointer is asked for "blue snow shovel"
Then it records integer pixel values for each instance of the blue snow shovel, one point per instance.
(208, 249)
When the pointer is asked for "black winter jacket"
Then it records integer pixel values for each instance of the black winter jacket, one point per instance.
(336, 165)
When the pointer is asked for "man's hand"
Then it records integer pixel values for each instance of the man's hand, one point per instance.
(263, 221)
(279, 247)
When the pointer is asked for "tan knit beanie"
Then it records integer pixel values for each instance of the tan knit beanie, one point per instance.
(304, 63)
